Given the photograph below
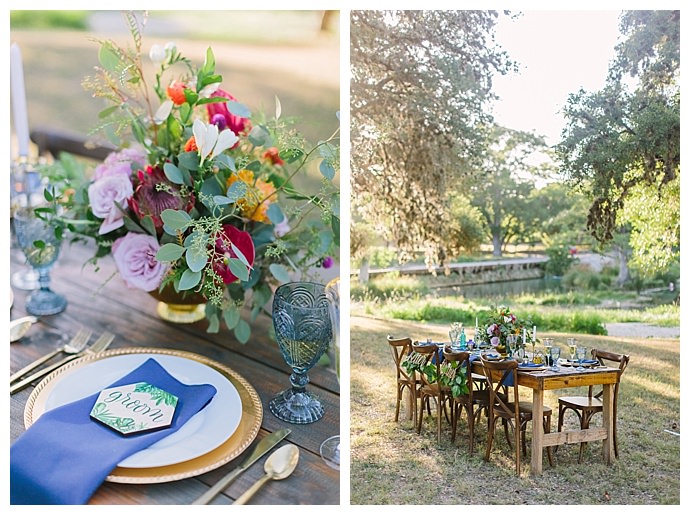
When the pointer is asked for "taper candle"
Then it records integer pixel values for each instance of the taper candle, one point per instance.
(21, 117)
(534, 333)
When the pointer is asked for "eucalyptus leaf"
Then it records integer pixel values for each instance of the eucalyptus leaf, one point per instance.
(280, 272)
(325, 239)
(176, 220)
(222, 200)
(170, 252)
(238, 269)
(231, 316)
(238, 109)
(189, 160)
(213, 323)
(243, 331)
(189, 280)
(196, 259)
(173, 173)
(240, 255)
(226, 161)
(258, 136)
(236, 191)
(275, 214)
(327, 170)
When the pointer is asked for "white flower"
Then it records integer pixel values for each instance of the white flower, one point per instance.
(157, 54)
(163, 112)
(209, 142)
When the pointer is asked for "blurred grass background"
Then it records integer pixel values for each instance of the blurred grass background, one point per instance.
(293, 55)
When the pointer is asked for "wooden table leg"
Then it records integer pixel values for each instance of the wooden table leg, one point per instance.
(537, 431)
(607, 413)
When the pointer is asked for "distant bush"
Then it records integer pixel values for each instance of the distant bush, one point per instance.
(48, 19)
(559, 261)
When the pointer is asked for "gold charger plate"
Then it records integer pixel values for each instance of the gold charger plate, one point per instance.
(244, 435)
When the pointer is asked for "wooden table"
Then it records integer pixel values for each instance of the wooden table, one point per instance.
(568, 377)
(100, 301)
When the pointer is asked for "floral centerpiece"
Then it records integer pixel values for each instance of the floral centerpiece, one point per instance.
(501, 322)
(200, 197)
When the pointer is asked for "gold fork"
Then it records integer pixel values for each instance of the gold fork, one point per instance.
(74, 346)
(99, 345)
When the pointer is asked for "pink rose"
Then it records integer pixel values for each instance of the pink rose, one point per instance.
(135, 257)
(103, 194)
(495, 341)
(121, 163)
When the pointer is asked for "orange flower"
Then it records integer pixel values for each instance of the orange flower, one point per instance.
(190, 146)
(176, 92)
(273, 156)
(253, 205)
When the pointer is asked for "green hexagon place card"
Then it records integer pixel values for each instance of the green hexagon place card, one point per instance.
(134, 408)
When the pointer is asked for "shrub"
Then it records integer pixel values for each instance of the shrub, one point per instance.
(560, 260)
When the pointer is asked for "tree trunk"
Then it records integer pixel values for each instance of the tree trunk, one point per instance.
(364, 271)
(496, 241)
(623, 270)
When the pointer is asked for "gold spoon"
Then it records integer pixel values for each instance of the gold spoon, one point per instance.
(20, 326)
(279, 465)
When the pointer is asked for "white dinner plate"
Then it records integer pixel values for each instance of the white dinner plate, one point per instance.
(205, 431)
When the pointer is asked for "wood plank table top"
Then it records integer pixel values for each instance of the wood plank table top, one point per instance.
(99, 300)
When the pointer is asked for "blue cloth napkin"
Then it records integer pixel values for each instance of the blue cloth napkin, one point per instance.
(65, 455)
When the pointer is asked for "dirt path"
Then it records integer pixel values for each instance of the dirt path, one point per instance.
(640, 330)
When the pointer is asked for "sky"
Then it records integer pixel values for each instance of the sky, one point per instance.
(558, 52)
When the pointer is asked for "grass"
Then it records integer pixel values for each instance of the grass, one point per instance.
(393, 465)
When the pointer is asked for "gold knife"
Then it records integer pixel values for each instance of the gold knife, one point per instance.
(98, 346)
(261, 448)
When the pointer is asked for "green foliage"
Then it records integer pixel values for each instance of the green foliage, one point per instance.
(501, 195)
(584, 278)
(616, 139)
(388, 286)
(420, 90)
(48, 19)
(653, 215)
(559, 261)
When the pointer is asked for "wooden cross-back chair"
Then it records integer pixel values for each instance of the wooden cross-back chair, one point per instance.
(431, 389)
(406, 383)
(53, 142)
(585, 407)
(502, 376)
(473, 402)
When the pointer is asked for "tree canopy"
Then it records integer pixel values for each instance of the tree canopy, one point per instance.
(624, 140)
(420, 85)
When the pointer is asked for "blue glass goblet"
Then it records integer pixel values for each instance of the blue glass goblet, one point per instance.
(303, 330)
(41, 246)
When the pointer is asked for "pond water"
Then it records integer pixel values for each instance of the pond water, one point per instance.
(505, 288)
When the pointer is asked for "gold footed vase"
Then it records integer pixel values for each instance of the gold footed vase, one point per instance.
(179, 307)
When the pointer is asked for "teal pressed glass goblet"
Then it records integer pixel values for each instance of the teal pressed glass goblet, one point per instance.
(41, 247)
(303, 330)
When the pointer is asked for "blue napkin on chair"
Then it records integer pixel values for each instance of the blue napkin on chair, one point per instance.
(65, 455)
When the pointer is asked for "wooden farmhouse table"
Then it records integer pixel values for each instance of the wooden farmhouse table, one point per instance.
(98, 300)
(567, 377)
